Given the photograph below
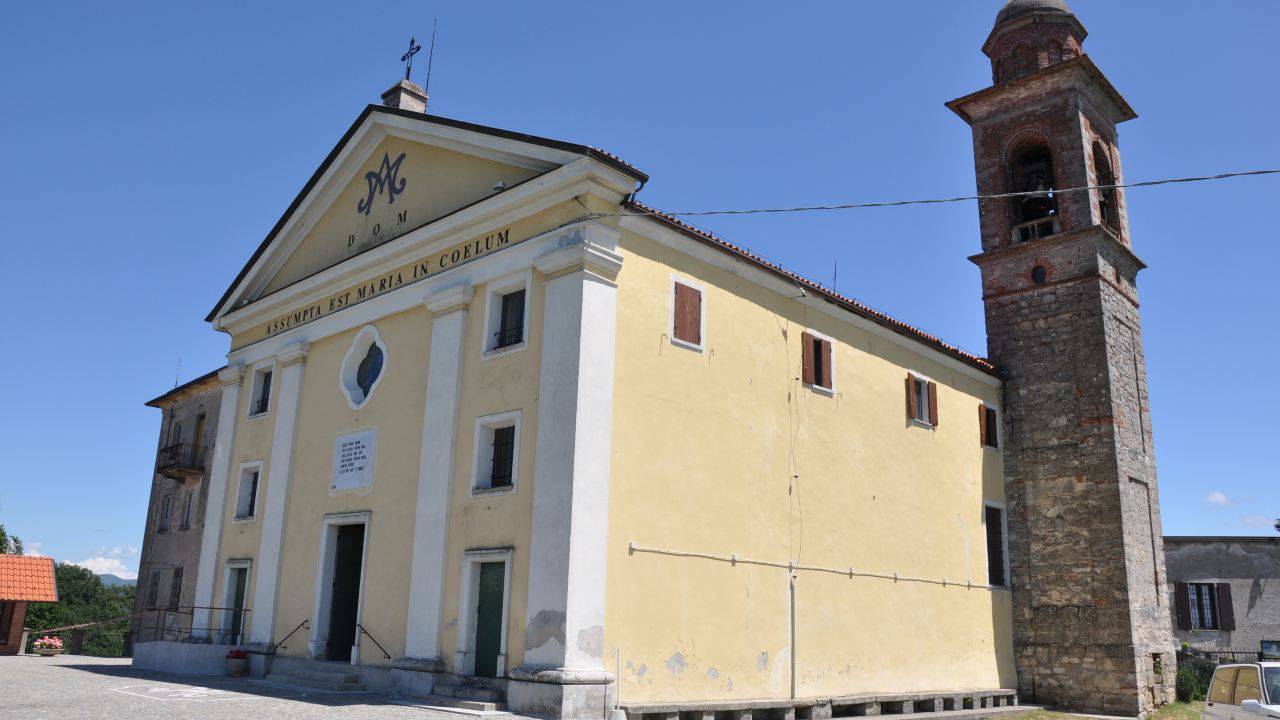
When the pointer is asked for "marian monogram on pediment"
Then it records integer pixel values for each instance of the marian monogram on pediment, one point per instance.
(385, 178)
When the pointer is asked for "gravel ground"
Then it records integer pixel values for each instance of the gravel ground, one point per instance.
(74, 687)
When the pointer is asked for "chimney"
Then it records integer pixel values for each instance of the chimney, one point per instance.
(406, 95)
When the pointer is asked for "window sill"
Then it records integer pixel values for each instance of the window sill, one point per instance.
(258, 416)
(245, 519)
(922, 424)
(829, 392)
(686, 344)
(504, 350)
(489, 491)
(988, 448)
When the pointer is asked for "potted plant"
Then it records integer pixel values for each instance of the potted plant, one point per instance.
(48, 645)
(237, 662)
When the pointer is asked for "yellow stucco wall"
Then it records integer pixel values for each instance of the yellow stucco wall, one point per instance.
(725, 451)
(488, 385)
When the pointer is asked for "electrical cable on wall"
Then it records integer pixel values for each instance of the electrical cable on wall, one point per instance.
(850, 572)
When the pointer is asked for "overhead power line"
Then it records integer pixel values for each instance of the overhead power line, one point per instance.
(936, 201)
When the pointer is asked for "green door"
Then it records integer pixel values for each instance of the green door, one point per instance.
(489, 618)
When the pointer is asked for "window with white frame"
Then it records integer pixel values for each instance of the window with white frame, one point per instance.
(997, 552)
(507, 314)
(260, 390)
(686, 314)
(497, 451)
(363, 367)
(247, 492)
(922, 400)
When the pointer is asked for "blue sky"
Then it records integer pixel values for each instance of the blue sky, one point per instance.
(149, 147)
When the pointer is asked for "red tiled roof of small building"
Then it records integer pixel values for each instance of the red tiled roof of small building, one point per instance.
(27, 578)
(848, 303)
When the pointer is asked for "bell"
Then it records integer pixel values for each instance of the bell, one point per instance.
(1039, 205)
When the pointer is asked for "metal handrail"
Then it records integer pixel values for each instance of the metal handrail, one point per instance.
(160, 626)
(280, 645)
(182, 455)
(385, 654)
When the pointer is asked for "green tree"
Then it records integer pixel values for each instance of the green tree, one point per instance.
(83, 598)
(10, 544)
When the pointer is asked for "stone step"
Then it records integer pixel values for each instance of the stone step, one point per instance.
(460, 704)
(467, 692)
(316, 683)
(447, 680)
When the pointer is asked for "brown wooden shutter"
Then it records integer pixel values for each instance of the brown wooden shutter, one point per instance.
(911, 397)
(1182, 602)
(806, 358)
(825, 380)
(1226, 613)
(688, 314)
(933, 403)
(982, 425)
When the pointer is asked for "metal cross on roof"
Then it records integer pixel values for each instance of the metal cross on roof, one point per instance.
(408, 57)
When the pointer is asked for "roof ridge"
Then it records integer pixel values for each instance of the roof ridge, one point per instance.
(853, 304)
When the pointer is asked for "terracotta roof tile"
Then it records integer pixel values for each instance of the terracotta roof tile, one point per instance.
(848, 303)
(26, 577)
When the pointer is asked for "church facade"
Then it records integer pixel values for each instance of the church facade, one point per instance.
(491, 428)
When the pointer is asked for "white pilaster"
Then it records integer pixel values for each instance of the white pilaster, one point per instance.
(290, 362)
(439, 430)
(231, 377)
(565, 614)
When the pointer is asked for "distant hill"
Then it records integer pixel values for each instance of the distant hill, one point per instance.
(109, 579)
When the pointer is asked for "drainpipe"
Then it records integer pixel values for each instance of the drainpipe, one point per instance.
(792, 577)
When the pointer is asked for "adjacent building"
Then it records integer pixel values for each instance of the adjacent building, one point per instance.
(24, 579)
(491, 426)
(1226, 591)
(176, 510)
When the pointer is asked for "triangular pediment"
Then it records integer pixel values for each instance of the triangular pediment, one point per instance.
(392, 173)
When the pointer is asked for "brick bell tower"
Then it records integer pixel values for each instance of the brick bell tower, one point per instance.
(1090, 618)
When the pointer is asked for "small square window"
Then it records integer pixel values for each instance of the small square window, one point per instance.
(247, 493)
(260, 391)
(497, 452)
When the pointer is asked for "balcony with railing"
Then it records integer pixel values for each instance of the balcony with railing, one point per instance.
(182, 461)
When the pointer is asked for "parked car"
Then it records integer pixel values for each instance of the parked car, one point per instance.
(1242, 691)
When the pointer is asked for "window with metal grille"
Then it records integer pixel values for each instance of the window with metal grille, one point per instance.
(260, 400)
(504, 445)
(510, 320)
(247, 494)
(1204, 606)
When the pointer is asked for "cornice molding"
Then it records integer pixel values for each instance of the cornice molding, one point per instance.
(293, 353)
(450, 300)
(586, 246)
(232, 374)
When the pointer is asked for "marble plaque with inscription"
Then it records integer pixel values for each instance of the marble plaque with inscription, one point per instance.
(353, 460)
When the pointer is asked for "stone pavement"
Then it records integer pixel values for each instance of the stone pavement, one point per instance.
(77, 687)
